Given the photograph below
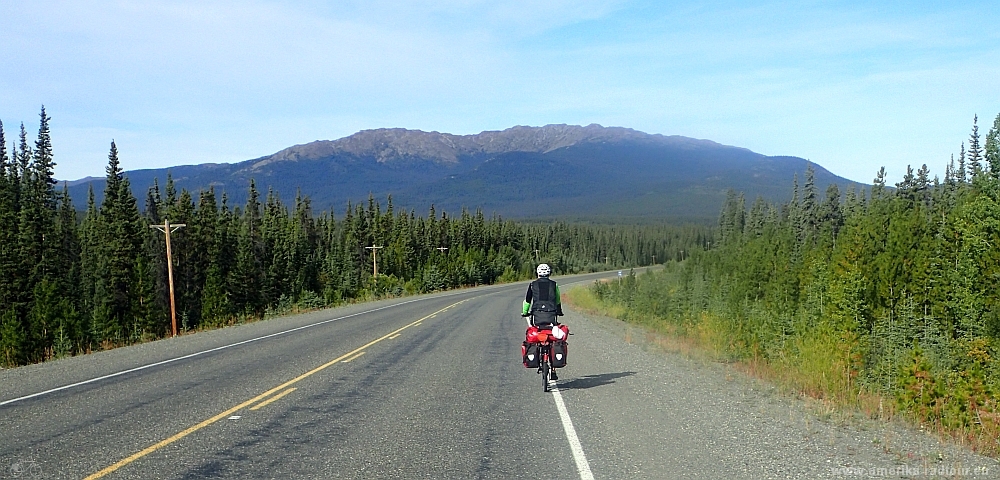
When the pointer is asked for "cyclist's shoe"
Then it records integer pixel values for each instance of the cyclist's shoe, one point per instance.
(553, 375)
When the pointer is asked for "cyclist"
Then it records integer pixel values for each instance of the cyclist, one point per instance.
(542, 301)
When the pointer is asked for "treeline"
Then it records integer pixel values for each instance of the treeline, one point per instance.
(893, 292)
(73, 283)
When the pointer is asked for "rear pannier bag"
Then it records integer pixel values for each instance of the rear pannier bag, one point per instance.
(557, 356)
(529, 354)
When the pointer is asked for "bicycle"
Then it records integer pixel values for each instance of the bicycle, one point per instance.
(543, 364)
(544, 339)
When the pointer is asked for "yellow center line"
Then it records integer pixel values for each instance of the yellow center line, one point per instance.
(352, 358)
(272, 399)
(194, 428)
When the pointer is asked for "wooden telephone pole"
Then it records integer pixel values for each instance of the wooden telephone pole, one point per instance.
(373, 248)
(167, 229)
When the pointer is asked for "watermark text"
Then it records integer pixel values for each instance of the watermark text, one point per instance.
(912, 471)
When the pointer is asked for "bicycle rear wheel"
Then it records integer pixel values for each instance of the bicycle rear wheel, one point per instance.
(545, 376)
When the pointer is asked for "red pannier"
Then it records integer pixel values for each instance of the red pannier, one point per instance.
(556, 333)
(534, 336)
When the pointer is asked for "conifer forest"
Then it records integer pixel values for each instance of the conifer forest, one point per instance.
(887, 291)
(73, 282)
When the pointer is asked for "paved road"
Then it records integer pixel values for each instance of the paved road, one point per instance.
(424, 387)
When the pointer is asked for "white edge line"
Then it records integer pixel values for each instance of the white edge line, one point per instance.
(582, 466)
(143, 367)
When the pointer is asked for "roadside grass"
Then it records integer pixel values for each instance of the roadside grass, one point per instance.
(820, 367)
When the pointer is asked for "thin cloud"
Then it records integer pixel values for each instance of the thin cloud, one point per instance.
(186, 81)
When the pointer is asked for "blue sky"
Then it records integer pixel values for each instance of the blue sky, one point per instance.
(849, 85)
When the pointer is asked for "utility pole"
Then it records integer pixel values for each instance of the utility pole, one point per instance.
(536, 255)
(373, 248)
(167, 229)
(654, 259)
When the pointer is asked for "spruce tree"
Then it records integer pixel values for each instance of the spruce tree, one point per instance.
(156, 248)
(922, 184)
(11, 337)
(247, 274)
(90, 262)
(810, 201)
(9, 214)
(68, 275)
(119, 239)
(22, 156)
(992, 153)
(962, 168)
(216, 305)
(831, 216)
(37, 242)
(11, 332)
(4, 159)
(975, 153)
(187, 253)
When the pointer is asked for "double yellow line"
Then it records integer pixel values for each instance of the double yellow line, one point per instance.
(194, 428)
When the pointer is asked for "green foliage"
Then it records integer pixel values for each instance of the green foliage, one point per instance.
(893, 293)
(11, 339)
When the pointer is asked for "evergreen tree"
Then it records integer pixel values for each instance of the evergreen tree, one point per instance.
(975, 153)
(23, 156)
(119, 239)
(156, 248)
(732, 220)
(11, 338)
(992, 152)
(247, 276)
(9, 214)
(878, 184)
(67, 279)
(188, 255)
(962, 177)
(216, 298)
(37, 242)
(831, 216)
(906, 188)
(810, 203)
(89, 268)
(3, 151)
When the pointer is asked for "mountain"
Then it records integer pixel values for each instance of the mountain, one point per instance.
(566, 171)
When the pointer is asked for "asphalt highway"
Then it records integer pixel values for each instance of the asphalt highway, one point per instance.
(420, 387)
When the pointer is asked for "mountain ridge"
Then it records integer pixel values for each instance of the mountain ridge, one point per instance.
(387, 144)
(583, 172)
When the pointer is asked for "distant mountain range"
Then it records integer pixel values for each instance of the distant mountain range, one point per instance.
(556, 171)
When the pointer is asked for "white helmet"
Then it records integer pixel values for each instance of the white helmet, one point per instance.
(543, 270)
